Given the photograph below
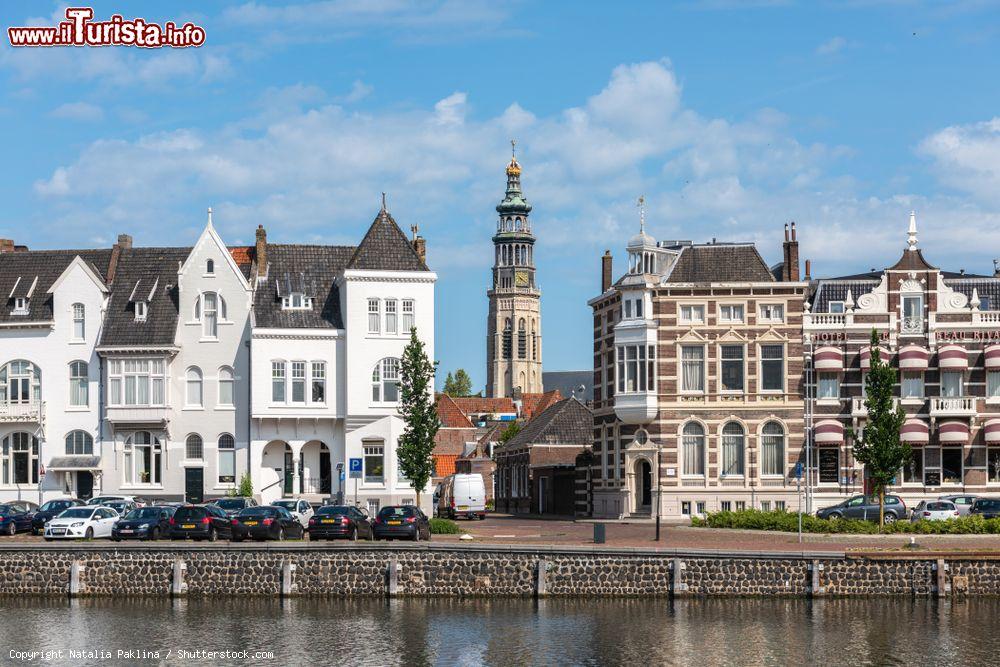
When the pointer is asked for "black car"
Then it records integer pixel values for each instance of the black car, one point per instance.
(233, 506)
(14, 518)
(50, 510)
(266, 523)
(402, 521)
(988, 508)
(333, 521)
(144, 523)
(865, 508)
(200, 522)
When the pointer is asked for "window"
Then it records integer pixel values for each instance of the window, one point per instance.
(194, 394)
(913, 470)
(741, 505)
(627, 305)
(912, 384)
(733, 438)
(210, 315)
(390, 316)
(829, 385)
(227, 385)
(408, 322)
(732, 367)
(772, 450)
(210, 267)
(993, 465)
(298, 382)
(726, 505)
(779, 506)
(373, 316)
(522, 340)
(79, 443)
(836, 307)
(143, 458)
(385, 381)
(992, 384)
(277, 381)
(79, 322)
(693, 314)
(194, 448)
(692, 368)
(951, 465)
(227, 459)
(20, 382)
(700, 506)
(20, 459)
(913, 314)
(140, 311)
(20, 306)
(984, 303)
(765, 506)
(686, 507)
(638, 307)
(374, 464)
(136, 382)
(694, 449)
(318, 382)
(79, 384)
(508, 338)
(772, 312)
(731, 313)
(772, 367)
(951, 384)
(296, 301)
(636, 368)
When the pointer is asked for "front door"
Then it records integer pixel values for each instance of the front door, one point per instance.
(288, 474)
(646, 499)
(84, 484)
(325, 480)
(194, 485)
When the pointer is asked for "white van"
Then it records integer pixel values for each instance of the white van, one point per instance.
(462, 495)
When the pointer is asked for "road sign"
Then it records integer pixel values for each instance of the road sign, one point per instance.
(355, 467)
(798, 470)
(342, 475)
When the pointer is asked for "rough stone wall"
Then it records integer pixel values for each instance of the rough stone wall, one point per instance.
(596, 574)
(857, 576)
(234, 572)
(457, 574)
(126, 573)
(746, 576)
(341, 574)
(30, 573)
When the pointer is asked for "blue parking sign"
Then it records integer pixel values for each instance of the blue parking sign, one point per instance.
(798, 470)
(355, 468)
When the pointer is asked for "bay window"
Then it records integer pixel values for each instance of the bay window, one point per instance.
(636, 368)
(136, 382)
(693, 368)
(20, 382)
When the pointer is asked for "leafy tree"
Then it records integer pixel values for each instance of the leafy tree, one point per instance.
(244, 490)
(510, 432)
(420, 414)
(458, 385)
(879, 447)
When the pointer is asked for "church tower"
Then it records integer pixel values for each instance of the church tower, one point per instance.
(514, 325)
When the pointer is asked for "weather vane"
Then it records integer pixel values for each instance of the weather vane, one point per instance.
(642, 213)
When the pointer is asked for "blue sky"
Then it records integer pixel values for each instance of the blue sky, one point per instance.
(730, 117)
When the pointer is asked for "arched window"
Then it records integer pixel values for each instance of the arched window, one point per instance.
(79, 443)
(508, 335)
(79, 321)
(143, 458)
(227, 459)
(194, 448)
(79, 384)
(227, 385)
(20, 459)
(210, 309)
(194, 397)
(772, 449)
(20, 382)
(385, 381)
(210, 266)
(733, 439)
(694, 449)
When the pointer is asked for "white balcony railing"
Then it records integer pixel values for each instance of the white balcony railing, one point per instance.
(958, 406)
(138, 415)
(859, 409)
(22, 412)
(826, 318)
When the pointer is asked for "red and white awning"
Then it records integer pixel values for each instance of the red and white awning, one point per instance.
(913, 358)
(953, 357)
(866, 356)
(828, 359)
(915, 431)
(828, 432)
(993, 356)
(954, 432)
(992, 430)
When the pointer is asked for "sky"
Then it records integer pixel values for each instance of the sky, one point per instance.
(731, 118)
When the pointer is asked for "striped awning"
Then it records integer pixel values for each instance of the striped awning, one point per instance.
(953, 357)
(915, 431)
(828, 432)
(993, 356)
(913, 358)
(866, 356)
(992, 430)
(954, 432)
(828, 359)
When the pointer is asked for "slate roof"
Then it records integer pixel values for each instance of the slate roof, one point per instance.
(568, 382)
(836, 289)
(567, 422)
(719, 262)
(46, 266)
(987, 288)
(386, 248)
(313, 268)
(139, 271)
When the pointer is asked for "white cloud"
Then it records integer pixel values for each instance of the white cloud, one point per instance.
(967, 158)
(831, 46)
(82, 111)
(359, 91)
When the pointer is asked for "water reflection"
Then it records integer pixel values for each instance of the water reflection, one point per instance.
(520, 632)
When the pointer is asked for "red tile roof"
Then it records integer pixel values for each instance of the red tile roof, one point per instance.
(535, 404)
(450, 414)
(243, 256)
(472, 405)
(444, 464)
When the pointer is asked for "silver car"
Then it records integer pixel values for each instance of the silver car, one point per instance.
(934, 510)
(962, 501)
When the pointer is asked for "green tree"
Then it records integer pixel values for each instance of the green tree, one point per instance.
(510, 432)
(458, 385)
(878, 447)
(419, 412)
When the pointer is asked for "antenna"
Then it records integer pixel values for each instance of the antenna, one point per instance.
(642, 213)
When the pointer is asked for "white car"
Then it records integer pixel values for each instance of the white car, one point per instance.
(300, 509)
(101, 500)
(87, 521)
(934, 510)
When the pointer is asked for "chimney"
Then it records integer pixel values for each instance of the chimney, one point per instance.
(260, 251)
(790, 250)
(420, 246)
(606, 275)
(124, 243)
(808, 275)
(6, 245)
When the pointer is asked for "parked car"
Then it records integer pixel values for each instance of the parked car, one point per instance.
(23, 505)
(233, 506)
(300, 509)
(123, 507)
(963, 503)
(87, 521)
(14, 518)
(144, 523)
(462, 495)
(50, 510)
(102, 500)
(988, 508)
(266, 523)
(865, 508)
(200, 522)
(934, 510)
(398, 521)
(333, 521)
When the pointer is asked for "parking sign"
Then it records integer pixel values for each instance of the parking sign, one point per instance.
(355, 468)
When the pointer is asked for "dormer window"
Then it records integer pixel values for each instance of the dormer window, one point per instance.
(140, 311)
(210, 267)
(20, 306)
(296, 301)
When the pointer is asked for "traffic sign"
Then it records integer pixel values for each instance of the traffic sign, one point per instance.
(355, 467)
(341, 475)
(798, 470)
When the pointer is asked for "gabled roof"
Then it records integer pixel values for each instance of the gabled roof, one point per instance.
(315, 267)
(386, 248)
(147, 268)
(567, 422)
(477, 405)
(720, 263)
(912, 260)
(19, 271)
(534, 404)
(450, 414)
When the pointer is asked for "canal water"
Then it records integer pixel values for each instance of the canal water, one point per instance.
(502, 632)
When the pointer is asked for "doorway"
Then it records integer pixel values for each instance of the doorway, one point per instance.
(194, 485)
(325, 479)
(644, 483)
(84, 484)
(287, 488)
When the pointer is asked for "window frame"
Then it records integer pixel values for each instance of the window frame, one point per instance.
(691, 308)
(225, 450)
(374, 316)
(118, 381)
(702, 449)
(79, 384)
(763, 317)
(194, 377)
(741, 362)
(79, 321)
(79, 446)
(196, 444)
(726, 448)
(681, 380)
(782, 445)
(373, 450)
(730, 318)
(761, 360)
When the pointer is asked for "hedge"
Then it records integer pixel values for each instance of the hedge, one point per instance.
(778, 520)
(444, 527)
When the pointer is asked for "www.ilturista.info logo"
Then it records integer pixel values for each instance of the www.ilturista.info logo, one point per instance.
(80, 30)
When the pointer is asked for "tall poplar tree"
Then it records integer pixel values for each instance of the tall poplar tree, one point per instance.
(418, 410)
(879, 447)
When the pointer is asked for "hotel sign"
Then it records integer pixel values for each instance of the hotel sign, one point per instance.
(991, 336)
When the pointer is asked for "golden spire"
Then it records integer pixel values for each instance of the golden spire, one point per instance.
(513, 167)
